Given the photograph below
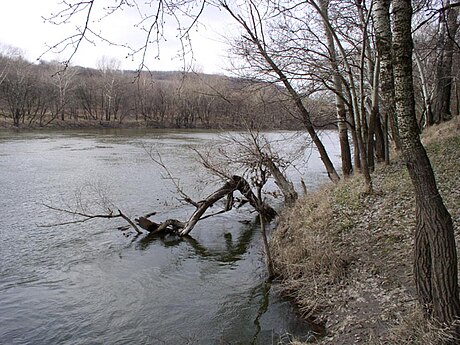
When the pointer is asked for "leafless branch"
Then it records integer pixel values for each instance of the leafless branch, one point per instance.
(84, 217)
(157, 159)
(65, 15)
(151, 23)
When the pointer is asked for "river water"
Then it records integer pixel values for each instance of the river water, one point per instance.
(89, 284)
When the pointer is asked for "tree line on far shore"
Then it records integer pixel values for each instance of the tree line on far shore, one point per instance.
(46, 94)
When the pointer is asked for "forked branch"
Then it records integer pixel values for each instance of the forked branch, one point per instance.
(235, 183)
(84, 217)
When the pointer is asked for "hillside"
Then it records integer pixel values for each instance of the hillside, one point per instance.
(346, 257)
(46, 95)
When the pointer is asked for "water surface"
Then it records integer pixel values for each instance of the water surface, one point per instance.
(89, 284)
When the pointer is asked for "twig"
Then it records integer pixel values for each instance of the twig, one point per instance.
(86, 217)
(174, 180)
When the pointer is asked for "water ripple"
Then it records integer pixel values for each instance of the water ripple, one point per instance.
(87, 284)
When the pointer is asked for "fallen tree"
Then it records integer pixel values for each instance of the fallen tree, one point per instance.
(236, 183)
(251, 155)
(182, 228)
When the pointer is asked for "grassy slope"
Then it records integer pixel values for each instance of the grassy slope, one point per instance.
(346, 257)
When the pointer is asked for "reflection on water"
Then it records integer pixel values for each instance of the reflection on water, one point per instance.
(87, 284)
(233, 250)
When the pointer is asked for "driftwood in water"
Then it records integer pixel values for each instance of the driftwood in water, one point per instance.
(235, 183)
(170, 225)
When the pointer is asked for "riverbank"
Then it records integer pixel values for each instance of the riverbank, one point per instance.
(346, 257)
(57, 124)
(7, 124)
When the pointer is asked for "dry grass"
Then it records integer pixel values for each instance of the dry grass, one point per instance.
(346, 257)
(309, 273)
(415, 329)
(444, 130)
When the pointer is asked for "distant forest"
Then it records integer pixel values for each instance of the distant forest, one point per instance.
(46, 94)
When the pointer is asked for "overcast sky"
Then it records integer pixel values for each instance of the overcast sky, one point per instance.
(22, 26)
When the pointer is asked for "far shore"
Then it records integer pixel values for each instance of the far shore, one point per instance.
(7, 124)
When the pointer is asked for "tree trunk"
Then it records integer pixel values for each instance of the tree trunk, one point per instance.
(422, 271)
(443, 91)
(354, 139)
(429, 119)
(435, 263)
(261, 49)
(16, 117)
(183, 228)
(347, 167)
(380, 149)
(373, 118)
(353, 95)
(381, 12)
(235, 183)
(331, 172)
(361, 123)
(371, 69)
(286, 186)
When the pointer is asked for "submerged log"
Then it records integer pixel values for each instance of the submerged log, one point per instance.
(170, 225)
(235, 183)
(147, 224)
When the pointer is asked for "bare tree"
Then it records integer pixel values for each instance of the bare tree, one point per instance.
(63, 80)
(17, 88)
(150, 19)
(340, 104)
(88, 94)
(7, 56)
(356, 107)
(109, 69)
(255, 35)
(446, 43)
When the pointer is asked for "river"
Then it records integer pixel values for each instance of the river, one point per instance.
(89, 284)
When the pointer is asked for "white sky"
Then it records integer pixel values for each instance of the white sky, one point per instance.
(22, 26)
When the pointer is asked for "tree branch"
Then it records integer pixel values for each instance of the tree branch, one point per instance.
(87, 217)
